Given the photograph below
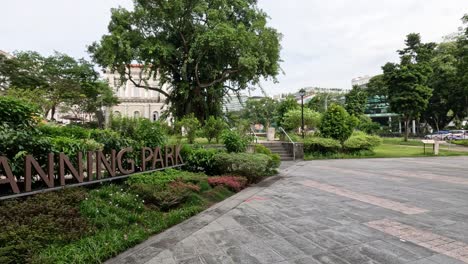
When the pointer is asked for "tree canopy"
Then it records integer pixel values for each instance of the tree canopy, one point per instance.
(55, 81)
(203, 49)
(356, 101)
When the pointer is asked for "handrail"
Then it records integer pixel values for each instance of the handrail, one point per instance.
(253, 133)
(292, 142)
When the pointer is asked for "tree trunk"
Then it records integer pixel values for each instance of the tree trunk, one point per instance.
(406, 128)
(52, 113)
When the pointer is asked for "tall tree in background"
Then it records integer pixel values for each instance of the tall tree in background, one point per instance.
(203, 49)
(445, 101)
(462, 65)
(355, 102)
(56, 81)
(408, 92)
(288, 104)
(321, 101)
(261, 111)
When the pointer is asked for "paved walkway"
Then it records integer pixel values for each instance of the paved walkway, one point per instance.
(340, 211)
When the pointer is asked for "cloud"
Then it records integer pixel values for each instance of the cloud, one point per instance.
(325, 43)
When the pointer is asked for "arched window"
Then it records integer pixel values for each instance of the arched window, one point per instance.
(117, 113)
(136, 114)
(155, 116)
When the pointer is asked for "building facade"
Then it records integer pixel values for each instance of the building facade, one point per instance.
(136, 102)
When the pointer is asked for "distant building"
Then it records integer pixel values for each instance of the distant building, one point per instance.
(234, 103)
(361, 81)
(134, 101)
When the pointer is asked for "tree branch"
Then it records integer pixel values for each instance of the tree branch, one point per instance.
(138, 85)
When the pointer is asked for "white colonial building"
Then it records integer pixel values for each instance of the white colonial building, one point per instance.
(135, 101)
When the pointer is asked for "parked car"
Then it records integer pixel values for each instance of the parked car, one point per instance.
(441, 135)
(458, 134)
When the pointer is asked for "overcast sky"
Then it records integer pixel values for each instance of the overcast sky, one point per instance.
(325, 43)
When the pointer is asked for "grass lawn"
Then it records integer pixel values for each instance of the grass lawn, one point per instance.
(393, 151)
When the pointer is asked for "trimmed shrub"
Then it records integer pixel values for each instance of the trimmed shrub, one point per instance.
(213, 128)
(17, 113)
(191, 126)
(234, 142)
(321, 145)
(201, 160)
(233, 183)
(252, 166)
(275, 158)
(361, 141)
(337, 124)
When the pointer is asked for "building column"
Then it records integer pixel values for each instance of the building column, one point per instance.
(390, 123)
(414, 127)
(399, 125)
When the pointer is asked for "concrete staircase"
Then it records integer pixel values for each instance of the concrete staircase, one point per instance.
(279, 148)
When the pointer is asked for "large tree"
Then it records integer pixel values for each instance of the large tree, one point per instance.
(355, 101)
(288, 104)
(462, 66)
(203, 49)
(446, 101)
(408, 91)
(55, 81)
(260, 111)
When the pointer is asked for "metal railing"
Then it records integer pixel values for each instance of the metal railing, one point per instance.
(252, 132)
(292, 142)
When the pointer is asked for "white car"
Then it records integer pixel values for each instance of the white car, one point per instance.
(458, 134)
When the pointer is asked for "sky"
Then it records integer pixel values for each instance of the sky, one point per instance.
(325, 43)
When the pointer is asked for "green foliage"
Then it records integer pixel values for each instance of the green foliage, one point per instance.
(260, 111)
(361, 141)
(217, 44)
(461, 142)
(337, 124)
(293, 119)
(71, 146)
(201, 160)
(190, 124)
(321, 101)
(367, 126)
(356, 101)
(17, 114)
(288, 104)
(16, 144)
(110, 140)
(321, 145)
(56, 81)
(234, 142)
(30, 225)
(275, 158)
(213, 128)
(252, 166)
(141, 130)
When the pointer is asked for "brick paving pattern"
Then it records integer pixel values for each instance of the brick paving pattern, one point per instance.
(376, 211)
(437, 243)
(370, 199)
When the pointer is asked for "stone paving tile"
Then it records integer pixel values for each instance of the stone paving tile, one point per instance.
(282, 221)
(437, 243)
(392, 205)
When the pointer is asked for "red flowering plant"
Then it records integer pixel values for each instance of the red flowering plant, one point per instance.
(234, 183)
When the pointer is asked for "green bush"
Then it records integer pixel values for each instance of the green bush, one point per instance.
(321, 145)
(367, 126)
(17, 114)
(461, 142)
(201, 160)
(16, 144)
(190, 125)
(141, 130)
(111, 140)
(71, 146)
(337, 124)
(252, 166)
(234, 142)
(275, 158)
(293, 119)
(361, 141)
(213, 128)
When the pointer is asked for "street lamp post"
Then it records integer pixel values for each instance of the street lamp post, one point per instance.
(302, 93)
